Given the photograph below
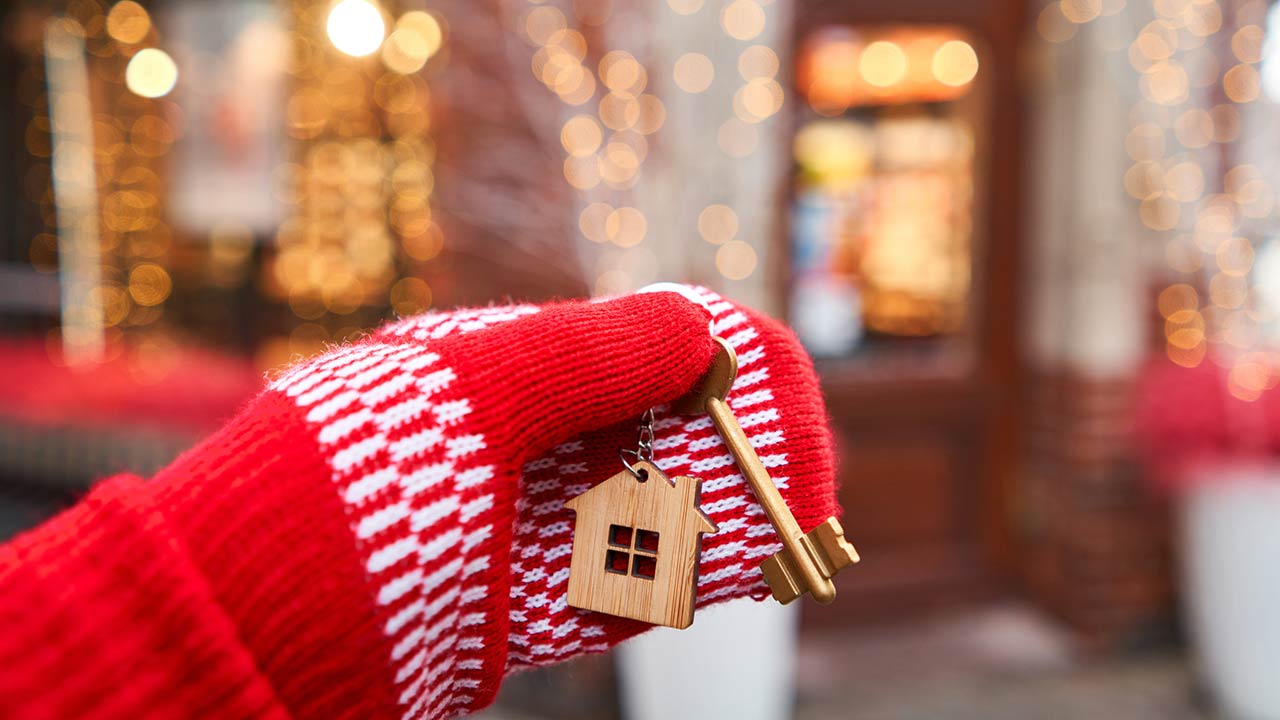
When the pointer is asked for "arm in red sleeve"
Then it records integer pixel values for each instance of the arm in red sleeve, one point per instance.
(382, 533)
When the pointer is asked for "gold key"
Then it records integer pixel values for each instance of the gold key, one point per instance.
(807, 562)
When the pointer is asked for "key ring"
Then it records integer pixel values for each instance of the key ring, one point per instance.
(644, 447)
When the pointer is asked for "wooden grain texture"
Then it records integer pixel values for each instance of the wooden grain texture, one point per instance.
(807, 562)
(667, 507)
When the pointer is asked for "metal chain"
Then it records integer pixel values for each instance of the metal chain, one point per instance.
(644, 446)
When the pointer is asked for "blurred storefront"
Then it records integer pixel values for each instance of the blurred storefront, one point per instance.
(983, 219)
(902, 243)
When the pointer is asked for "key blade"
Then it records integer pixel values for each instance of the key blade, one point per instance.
(790, 575)
(784, 585)
(826, 549)
(835, 553)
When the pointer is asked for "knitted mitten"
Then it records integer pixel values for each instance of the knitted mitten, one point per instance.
(383, 530)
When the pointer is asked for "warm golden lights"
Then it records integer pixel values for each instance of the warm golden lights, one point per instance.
(955, 63)
(1081, 11)
(742, 19)
(758, 61)
(1246, 44)
(417, 36)
(1184, 190)
(620, 72)
(543, 23)
(717, 224)
(149, 284)
(128, 22)
(1241, 83)
(355, 27)
(592, 221)
(581, 136)
(693, 72)
(736, 260)
(354, 186)
(151, 73)
(839, 69)
(614, 113)
(758, 100)
(625, 227)
(882, 64)
(410, 296)
(1053, 25)
(685, 7)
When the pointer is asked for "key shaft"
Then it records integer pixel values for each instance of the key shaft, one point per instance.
(798, 559)
(793, 539)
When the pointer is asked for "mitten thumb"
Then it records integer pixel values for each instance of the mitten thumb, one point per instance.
(573, 366)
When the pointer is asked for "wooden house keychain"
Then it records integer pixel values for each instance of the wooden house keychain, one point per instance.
(637, 540)
(638, 534)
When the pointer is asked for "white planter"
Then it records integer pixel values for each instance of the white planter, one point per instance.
(736, 661)
(1231, 577)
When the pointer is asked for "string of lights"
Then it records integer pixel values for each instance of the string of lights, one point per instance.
(1199, 79)
(616, 113)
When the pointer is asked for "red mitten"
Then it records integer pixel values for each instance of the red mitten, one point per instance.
(383, 531)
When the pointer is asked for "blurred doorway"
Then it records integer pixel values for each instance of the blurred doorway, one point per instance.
(902, 284)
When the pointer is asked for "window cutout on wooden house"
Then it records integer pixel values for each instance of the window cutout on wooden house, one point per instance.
(620, 536)
(644, 567)
(616, 561)
(647, 540)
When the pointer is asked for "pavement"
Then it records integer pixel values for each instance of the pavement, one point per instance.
(1000, 662)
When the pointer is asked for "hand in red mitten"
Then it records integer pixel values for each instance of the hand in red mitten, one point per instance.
(383, 532)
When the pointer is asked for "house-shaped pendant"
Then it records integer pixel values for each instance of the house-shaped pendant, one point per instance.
(636, 543)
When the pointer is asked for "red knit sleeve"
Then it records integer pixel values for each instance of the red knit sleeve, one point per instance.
(104, 615)
(382, 533)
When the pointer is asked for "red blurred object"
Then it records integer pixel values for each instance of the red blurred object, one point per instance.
(183, 390)
(1185, 417)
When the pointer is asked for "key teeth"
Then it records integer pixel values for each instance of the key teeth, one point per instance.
(837, 553)
(829, 551)
(780, 580)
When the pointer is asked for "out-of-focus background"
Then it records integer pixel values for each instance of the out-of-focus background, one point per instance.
(1032, 247)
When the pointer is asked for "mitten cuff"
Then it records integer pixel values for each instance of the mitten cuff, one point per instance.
(256, 508)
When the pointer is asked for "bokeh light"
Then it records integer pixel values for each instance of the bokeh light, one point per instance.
(355, 27)
(128, 22)
(758, 61)
(1241, 84)
(693, 72)
(625, 227)
(736, 260)
(151, 73)
(417, 36)
(883, 63)
(717, 224)
(1081, 11)
(955, 63)
(1053, 26)
(685, 7)
(742, 19)
(580, 136)
(410, 296)
(149, 284)
(592, 221)
(758, 100)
